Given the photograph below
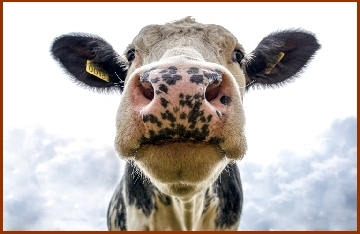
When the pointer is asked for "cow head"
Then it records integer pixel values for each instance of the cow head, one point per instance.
(181, 119)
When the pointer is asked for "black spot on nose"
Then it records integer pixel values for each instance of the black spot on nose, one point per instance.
(164, 102)
(193, 70)
(172, 70)
(183, 115)
(144, 77)
(225, 100)
(155, 80)
(163, 88)
(152, 119)
(171, 79)
(167, 115)
(198, 79)
(214, 77)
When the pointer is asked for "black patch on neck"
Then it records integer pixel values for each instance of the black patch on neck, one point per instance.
(229, 190)
(138, 191)
(118, 204)
(141, 192)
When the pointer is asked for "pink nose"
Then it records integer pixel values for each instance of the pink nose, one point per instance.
(183, 103)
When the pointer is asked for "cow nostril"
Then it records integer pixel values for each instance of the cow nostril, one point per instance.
(147, 90)
(212, 92)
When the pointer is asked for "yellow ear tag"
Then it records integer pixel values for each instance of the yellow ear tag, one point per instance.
(96, 71)
(270, 66)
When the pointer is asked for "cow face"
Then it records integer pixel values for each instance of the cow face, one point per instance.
(181, 118)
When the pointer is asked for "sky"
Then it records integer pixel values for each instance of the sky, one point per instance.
(60, 166)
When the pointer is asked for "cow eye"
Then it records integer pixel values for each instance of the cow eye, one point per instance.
(130, 55)
(237, 56)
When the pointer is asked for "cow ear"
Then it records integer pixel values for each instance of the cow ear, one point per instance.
(90, 61)
(280, 56)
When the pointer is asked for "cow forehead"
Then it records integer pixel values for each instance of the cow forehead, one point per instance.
(212, 41)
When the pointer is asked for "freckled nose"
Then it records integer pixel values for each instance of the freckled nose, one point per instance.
(183, 102)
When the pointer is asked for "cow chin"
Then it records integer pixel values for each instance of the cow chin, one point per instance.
(181, 169)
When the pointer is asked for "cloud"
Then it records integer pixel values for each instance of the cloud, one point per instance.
(312, 191)
(54, 183)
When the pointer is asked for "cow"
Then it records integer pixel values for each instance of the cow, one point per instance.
(180, 121)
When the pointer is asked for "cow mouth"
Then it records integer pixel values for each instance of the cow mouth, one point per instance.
(177, 140)
(171, 140)
(168, 140)
(214, 142)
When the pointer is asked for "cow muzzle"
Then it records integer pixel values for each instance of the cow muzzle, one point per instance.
(183, 101)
